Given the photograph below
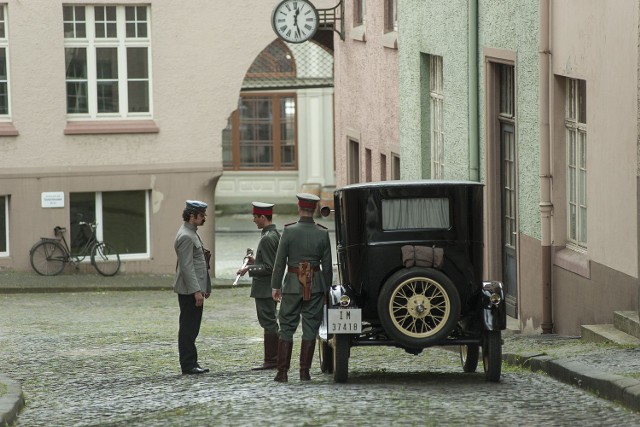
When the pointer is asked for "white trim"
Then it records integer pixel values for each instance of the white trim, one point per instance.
(90, 43)
(4, 43)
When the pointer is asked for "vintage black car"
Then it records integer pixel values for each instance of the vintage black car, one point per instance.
(410, 260)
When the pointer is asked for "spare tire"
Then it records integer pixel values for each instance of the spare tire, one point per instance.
(418, 307)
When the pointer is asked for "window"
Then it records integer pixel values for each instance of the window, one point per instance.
(436, 104)
(391, 16)
(395, 166)
(406, 214)
(121, 218)
(359, 12)
(576, 139)
(4, 225)
(383, 167)
(353, 157)
(4, 69)
(107, 57)
(261, 133)
(367, 165)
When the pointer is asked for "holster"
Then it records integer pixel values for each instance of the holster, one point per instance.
(305, 276)
(207, 257)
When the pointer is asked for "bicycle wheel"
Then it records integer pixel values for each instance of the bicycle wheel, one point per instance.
(48, 258)
(105, 259)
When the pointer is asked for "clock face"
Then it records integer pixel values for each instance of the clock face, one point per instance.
(295, 21)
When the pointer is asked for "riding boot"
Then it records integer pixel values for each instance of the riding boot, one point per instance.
(284, 360)
(270, 352)
(306, 356)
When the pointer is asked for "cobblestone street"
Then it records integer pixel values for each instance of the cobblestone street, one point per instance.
(110, 358)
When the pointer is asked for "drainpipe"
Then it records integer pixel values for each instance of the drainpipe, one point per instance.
(546, 206)
(473, 95)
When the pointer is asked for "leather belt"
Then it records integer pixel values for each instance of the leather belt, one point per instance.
(296, 270)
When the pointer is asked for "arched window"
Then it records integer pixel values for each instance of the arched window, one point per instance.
(261, 134)
(276, 60)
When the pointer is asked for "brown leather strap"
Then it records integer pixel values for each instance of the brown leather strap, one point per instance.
(296, 270)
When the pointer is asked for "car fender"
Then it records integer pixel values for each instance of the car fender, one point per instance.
(494, 307)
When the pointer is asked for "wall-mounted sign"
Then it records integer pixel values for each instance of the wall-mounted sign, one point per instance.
(52, 199)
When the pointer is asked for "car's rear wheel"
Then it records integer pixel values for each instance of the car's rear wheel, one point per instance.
(341, 350)
(418, 307)
(469, 356)
(325, 355)
(492, 355)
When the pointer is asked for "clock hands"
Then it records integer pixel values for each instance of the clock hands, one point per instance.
(295, 22)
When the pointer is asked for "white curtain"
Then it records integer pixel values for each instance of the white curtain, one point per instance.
(402, 214)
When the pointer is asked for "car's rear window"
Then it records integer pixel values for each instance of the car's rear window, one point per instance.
(405, 214)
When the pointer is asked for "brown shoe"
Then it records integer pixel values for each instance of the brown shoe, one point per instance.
(306, 356)
(284, 360)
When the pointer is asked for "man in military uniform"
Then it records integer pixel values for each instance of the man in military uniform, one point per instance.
(260, 269)
(192, 284)
(304, 261)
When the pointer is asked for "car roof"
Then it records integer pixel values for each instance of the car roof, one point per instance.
(408, 183)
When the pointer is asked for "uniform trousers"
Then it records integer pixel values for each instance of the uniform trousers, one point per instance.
(190, 320)
(292, 308)
(267, 313)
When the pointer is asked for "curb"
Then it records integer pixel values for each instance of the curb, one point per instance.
(617, 388)
(216, 284)
(10, 403)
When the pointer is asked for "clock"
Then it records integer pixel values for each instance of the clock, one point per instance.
(295, 21)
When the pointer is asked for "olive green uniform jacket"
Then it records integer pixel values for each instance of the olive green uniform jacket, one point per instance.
(260, 271)
(302, 241)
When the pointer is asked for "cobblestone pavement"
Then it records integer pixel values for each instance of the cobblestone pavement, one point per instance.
(110, 358)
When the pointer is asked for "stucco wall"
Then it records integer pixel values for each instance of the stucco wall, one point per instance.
(435, 28)
(597, 41)
(366, 94)
(201, 51)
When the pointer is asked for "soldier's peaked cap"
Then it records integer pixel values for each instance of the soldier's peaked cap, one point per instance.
(307, 200)
(197, 205)
(261, 208)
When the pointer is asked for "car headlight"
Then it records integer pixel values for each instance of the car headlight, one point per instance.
(493, 290)
(344, 301)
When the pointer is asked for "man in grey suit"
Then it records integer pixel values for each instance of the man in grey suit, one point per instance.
(192, 284)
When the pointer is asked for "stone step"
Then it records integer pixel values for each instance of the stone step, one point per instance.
(607, 333)
(627, 321)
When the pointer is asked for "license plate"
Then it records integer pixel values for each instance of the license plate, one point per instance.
(345, 321)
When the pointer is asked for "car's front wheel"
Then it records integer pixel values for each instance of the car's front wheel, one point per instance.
(492, 355)
(341, 350)
(469, 356)
(418, 307)
(325, 355)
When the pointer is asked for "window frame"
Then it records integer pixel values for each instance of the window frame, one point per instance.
(436, 113)
(575, 124)
(4, 45)
(233, 127)
(91, 44)
(390, 16)
(99, 219)
(359, 12)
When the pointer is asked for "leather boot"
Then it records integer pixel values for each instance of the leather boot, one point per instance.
(270, 352)
(306, 356)
(284, 360)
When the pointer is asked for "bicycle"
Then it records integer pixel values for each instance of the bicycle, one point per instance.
(49, 255)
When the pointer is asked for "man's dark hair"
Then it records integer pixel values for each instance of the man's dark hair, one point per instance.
(186, 214)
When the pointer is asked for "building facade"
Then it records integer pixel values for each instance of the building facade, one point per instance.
(115, 112)
(538, 100)
(366, 87)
